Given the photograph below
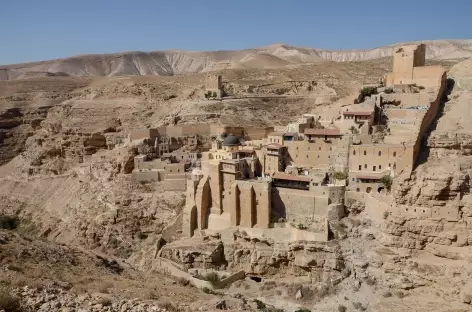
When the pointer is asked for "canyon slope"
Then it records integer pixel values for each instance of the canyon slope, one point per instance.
(86, 235)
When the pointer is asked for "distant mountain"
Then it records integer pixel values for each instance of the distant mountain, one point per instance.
(166, 63)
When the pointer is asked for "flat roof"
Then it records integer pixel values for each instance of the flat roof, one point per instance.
(274, 146)
(358, 113)
(383, 145)
(283, 176)
(231, 161)
(311, 131)
(369, 177)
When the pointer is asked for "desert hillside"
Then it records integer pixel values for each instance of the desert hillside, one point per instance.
(169, 63)
(79, 233)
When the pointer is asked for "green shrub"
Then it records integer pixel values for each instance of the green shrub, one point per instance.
(301, 226)
(260, 305)
(207, 290)
(387, 181)
(339, 175)
(8, 302)
(183, 281)
(213, 278)
(368, 91)
(358, 306)
(9, 222)
(353, 130)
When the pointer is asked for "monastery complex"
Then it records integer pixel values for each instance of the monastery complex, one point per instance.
(289, 182)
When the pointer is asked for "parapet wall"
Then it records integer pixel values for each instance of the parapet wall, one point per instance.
(428, 76)
(299, 207)
(147, 175)
(175, 184)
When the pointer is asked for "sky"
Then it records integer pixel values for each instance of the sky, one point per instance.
(33, 30)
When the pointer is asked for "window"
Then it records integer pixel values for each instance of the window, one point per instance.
(354, 153)
(365, 166)
(380, 167)
(373, 168)
(360, 167)
(380, 153)
(306, 156)
(319, 149)
(365, 153)
(318, 156)
(394, 154)
(353, 179)
(358, 190)
(389, 164)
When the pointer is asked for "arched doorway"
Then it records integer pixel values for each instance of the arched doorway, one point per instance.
(193, 220)
(380, 189)
(368, 190)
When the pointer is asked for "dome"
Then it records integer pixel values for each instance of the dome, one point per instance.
(231, 140)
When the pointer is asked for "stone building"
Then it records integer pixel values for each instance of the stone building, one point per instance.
(232, 191)
(214, 84)
(409, 68)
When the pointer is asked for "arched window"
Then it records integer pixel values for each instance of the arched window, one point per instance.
(394, 154)
(354, 153)
(365, 153)
(380, 153)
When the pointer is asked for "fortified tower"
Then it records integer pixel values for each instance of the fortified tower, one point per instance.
(405, 59)
(214, 85)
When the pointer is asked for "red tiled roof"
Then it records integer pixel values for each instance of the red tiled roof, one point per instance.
(311, 131)
(360, 113)
(283, 176)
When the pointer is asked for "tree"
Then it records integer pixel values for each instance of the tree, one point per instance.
(368, 91)
(387, 181)
(353, 130)
(339, 175)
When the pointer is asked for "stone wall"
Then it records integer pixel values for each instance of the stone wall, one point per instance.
(428, 76)
(153, 175)
(175, 184)
(299, 207)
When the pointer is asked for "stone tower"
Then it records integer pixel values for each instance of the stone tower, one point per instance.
(405, 59)
(214, 84)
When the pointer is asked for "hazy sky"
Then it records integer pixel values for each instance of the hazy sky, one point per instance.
(34, 30)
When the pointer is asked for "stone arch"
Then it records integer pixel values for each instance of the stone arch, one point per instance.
(254, 203)
(380, 189)
(203, 202)
(193, 220)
